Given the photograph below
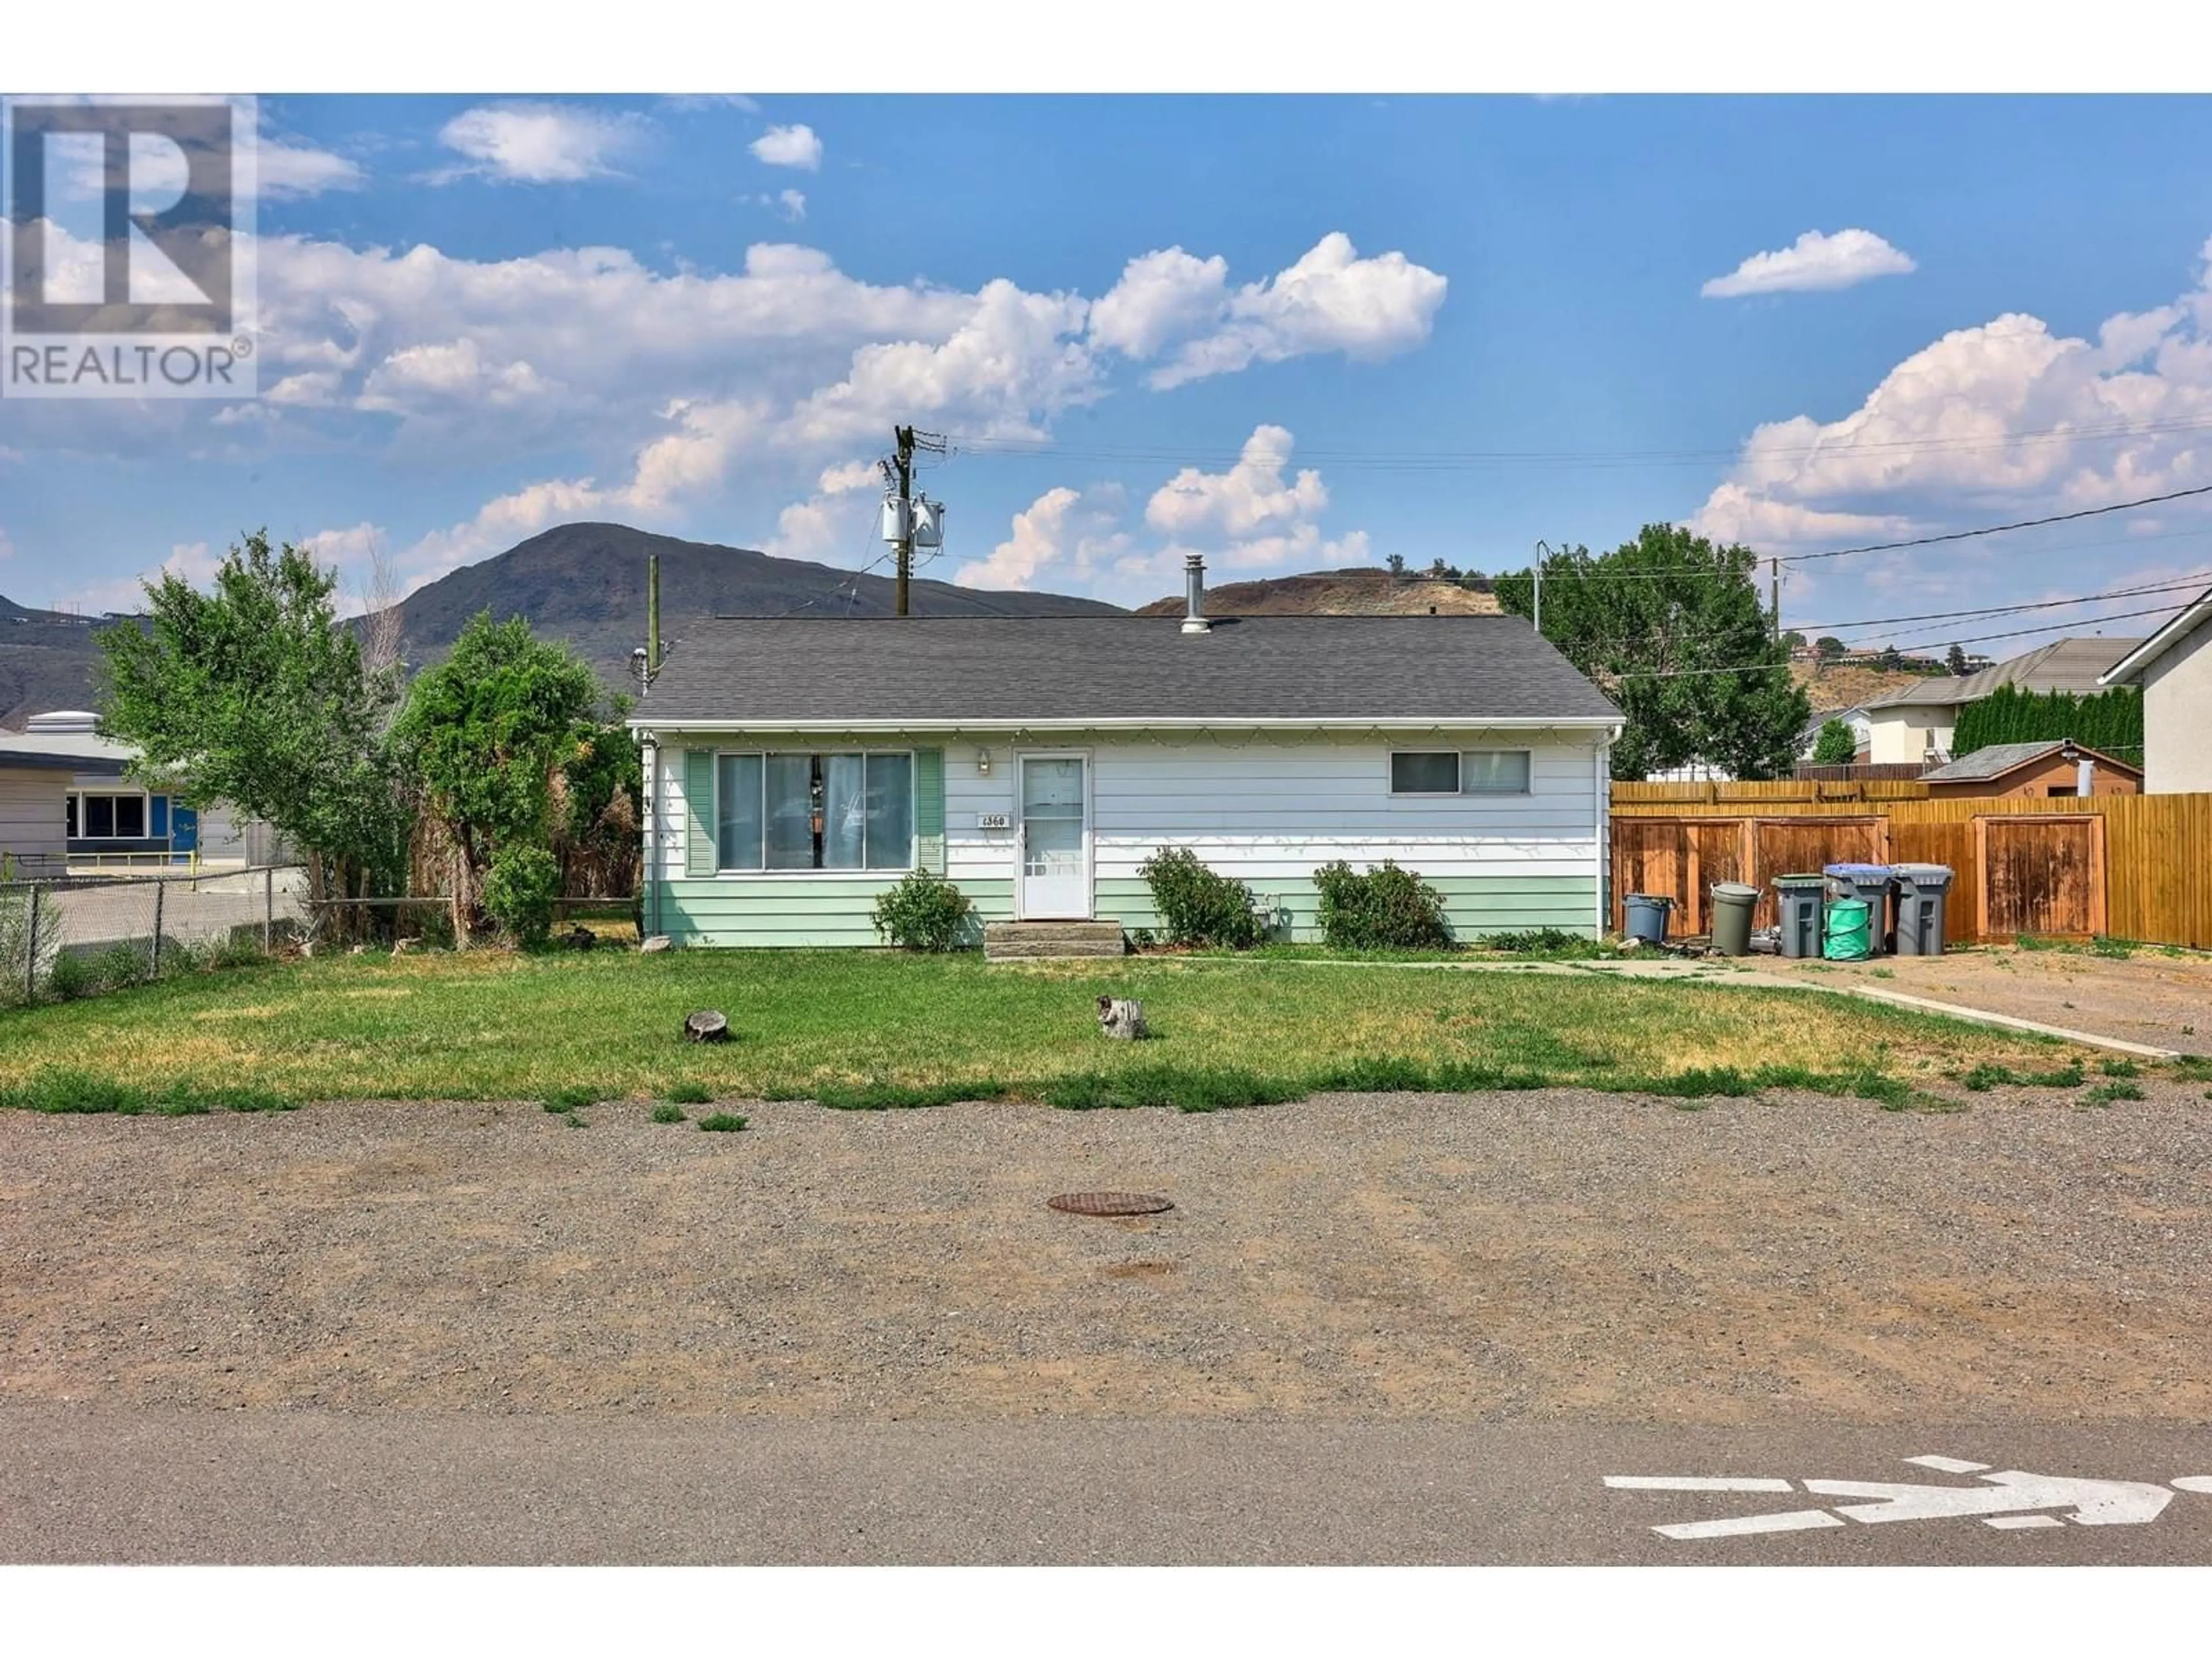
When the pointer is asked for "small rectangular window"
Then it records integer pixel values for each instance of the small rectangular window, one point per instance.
(738, 811)
(1419, 772)
(130, 817)
(68, 817)
(890, 811)
(1494, 772)
(99, 817)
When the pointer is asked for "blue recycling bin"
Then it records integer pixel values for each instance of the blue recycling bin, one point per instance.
(1871, 884)
(1645, 916)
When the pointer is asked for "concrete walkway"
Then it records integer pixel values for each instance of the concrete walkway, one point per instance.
(1723, 972)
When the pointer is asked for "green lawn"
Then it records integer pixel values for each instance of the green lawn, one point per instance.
(880, 1029)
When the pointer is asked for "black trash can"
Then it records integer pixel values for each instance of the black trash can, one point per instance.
(1921, 892)
(1799, 900)
(1872, 883)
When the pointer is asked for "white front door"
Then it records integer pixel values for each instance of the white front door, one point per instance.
(1055, 849)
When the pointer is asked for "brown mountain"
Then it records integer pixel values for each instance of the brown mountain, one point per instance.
(1361, 591)
(583, 583)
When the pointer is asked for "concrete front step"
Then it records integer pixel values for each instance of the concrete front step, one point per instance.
(1029, 941)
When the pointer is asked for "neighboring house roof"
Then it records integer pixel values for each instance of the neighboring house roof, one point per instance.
(88, 746)
(2179, 628)
(16, 757)
(2074, 665)
(1999, 758)
(1071, 671)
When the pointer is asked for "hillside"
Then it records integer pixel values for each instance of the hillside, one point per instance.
(1847, 684)
(47, 659)
(583, 583)
(1361, 591)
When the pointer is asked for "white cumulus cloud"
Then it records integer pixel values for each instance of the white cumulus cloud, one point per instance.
(535, 143)
(1332, 300)
(1815, 261)
(789, 147)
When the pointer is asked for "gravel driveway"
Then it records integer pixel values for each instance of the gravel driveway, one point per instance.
(1428, 1256)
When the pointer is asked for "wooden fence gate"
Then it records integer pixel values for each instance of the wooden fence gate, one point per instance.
(2136, 866)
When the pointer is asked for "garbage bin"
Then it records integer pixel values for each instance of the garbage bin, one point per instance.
(1921, 892)
(1798, 900)
(1869, 881)
(1849, 936)
(1733, 903)
(1646, 916)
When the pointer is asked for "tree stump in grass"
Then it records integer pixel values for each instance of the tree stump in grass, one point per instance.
(1122, 1018)
(708, 1025)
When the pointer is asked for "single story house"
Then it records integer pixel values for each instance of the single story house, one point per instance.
(1916, 722)
(2174, 668)
(35, 787)
(2033, 770)
(80, 807)
(797, 767)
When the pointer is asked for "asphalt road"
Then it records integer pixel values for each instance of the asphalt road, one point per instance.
(262, 1486)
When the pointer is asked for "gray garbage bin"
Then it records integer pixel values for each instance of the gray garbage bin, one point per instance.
(1799, 899)
(1733, 903)
(1872, 883)
(1921, 892)
(1645, 916)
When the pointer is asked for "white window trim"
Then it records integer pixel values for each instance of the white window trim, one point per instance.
(1463, 793)
(145, 813)
(714, 817)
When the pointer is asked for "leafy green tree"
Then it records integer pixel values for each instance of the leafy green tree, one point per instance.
(1397, 563)
(1829, 649)
(1794, 640)
(1954, 661)
(1836, 745)
(253, 693)
(489, 733)
(1673, 629)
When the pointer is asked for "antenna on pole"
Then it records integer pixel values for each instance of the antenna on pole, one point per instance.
(1543, 552)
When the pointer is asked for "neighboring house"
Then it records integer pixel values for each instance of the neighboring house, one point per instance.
(2034, 770)
(1916, 722)
(95, 815)
(1856, 718)
(2174, 668)
(35, 787)
(797, 768)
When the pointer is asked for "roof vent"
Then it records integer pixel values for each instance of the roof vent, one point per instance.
(64, 719)
(1194, 573)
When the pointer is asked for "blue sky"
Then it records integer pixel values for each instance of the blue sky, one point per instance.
(1288, 333)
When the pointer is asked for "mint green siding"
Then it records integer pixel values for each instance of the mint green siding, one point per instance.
(929, 810)
(801, 909)
(1473, 904)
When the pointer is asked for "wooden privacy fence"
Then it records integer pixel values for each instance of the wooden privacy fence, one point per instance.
(2134, 866)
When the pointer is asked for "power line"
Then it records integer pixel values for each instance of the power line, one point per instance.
(1999, 529)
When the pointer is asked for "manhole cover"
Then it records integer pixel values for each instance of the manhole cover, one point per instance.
(1109, 1204)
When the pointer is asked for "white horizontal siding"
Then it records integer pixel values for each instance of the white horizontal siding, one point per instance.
(1260, 810)
(31, 821)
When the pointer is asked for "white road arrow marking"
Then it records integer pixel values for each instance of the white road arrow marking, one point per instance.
(2009, 1499)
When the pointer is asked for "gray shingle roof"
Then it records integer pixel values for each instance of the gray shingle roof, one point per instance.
(1995, 759)
(2071, 665)
(930, 670)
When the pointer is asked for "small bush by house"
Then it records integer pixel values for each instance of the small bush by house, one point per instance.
(1385, 909)
(923, 912)
(1197, 905)
(519, 892)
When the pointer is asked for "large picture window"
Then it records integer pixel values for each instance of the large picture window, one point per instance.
(1458, 772)
(92, 816)
(797, 812)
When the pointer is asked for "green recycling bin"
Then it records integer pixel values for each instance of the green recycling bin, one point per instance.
(1799, 900)
(1733, 903)
(1848, 935)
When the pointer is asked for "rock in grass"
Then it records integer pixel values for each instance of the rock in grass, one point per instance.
(658, 942)
(708, 1025)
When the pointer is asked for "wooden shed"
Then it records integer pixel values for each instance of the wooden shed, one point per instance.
(2034, 771)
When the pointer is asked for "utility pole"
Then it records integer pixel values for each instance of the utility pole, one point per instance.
(1774, 594)
(651, 620)
(903, 461)
(1537, 569)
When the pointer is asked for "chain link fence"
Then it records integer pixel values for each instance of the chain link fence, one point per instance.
(69, 936)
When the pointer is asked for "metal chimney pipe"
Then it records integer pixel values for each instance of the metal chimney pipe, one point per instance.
(1194, 571)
